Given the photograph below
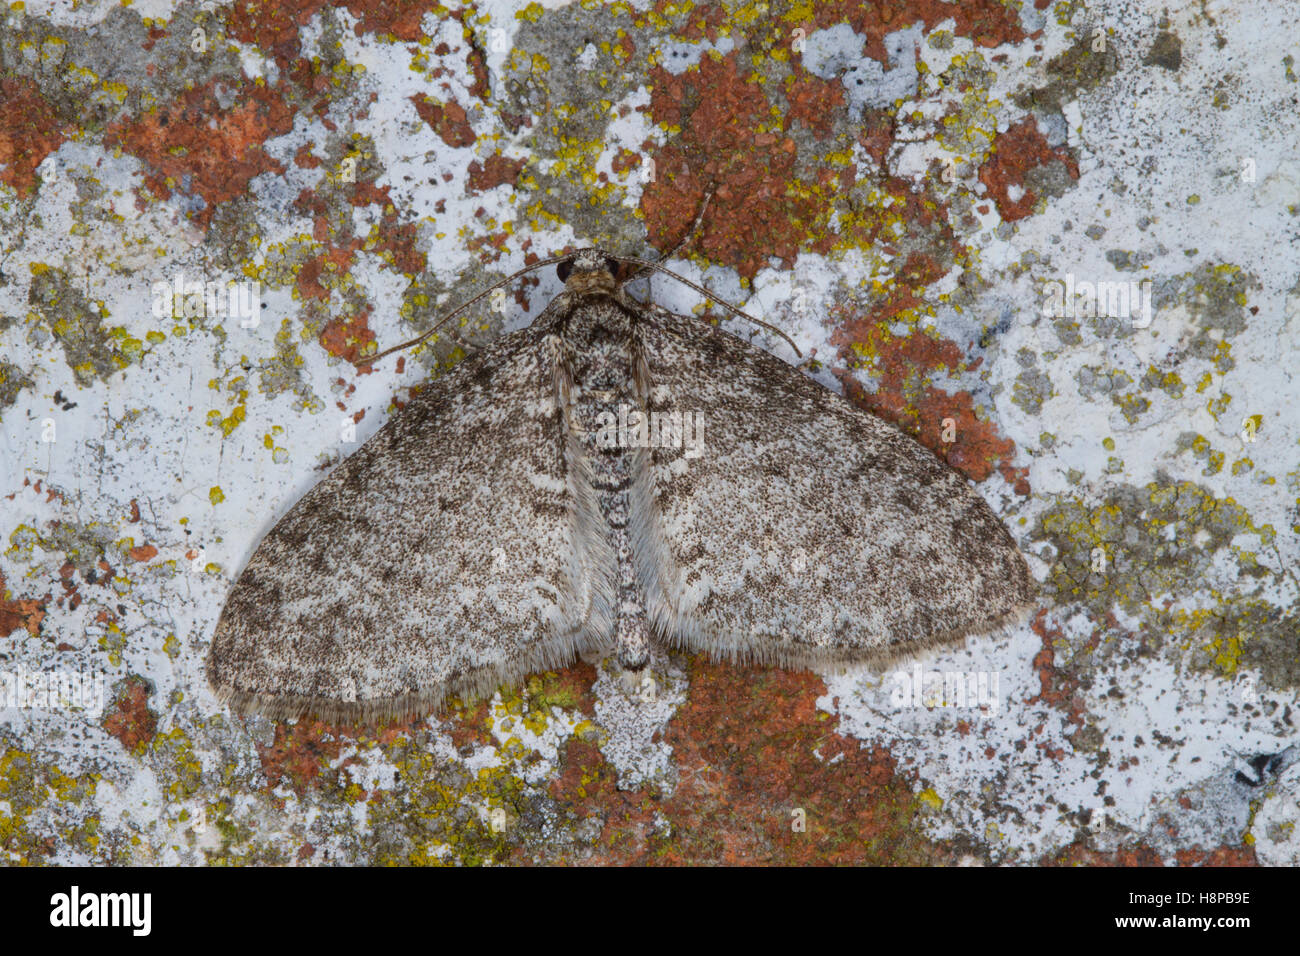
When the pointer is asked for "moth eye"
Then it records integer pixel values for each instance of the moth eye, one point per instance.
(563, 270)
(612, 266)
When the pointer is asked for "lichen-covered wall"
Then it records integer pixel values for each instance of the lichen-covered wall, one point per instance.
(923, 194)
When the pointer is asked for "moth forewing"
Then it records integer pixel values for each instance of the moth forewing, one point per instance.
(373, 598)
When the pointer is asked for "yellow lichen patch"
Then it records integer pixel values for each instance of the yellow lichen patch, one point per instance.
(179, 770)
(113, 641)
(29, 783)
(237, 385)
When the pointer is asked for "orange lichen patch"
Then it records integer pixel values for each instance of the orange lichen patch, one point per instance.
(470, 727)
(145, 552)
(474, 59)
(399, 239)
(754, 215)
(764, 778)
(753, 749)
(154, 34)
(876, 134)
(1219, 856)
(945, 422)
(493, 173)
(1055, 688)
(624, 161)
(300, 752)
(396, 18)
(22, 614)
(703, 24)
(129, 718)
(493, 245)
(1015, 152)
(813, 102)
(1078, 854)
(335, 228)
(334, 259)
(304, 158)
(29, 131)
(272, 25)
(70, 593)
(987, 22)
(213, 151)
(449, 120)
(347, 335)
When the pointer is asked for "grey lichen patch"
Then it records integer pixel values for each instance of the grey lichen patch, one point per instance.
(970, 129)
(1241, 631)
(1127, 260)
(12, 381)
(1136, 543)
(568, 72)
(1077, 70)
(1067, 331)
(1214, 300)
(1052, 179)
(238, 829)
(428, 300)
(1200, 448)
(1166, 51)
(1216, 297)
(87, 547)
(85, 74)
(1095, 381)
(1168, 382)
(1139, 545)
(1032, 386)
(76, 323)
(282, 371)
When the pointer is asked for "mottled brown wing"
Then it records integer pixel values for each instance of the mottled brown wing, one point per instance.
(444, 557)
(806, 531)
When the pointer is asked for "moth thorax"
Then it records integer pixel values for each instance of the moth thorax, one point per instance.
(591, 282)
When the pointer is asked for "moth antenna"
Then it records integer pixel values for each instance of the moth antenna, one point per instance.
(690, 234)
(371, 359)
(656, 267)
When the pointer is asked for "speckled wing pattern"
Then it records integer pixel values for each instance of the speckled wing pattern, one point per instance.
(807, 532)
(443, 557)
(495, 527)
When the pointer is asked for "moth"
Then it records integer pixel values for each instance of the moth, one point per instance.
(522, 510)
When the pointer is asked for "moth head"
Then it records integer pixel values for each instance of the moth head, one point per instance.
(589, 271)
